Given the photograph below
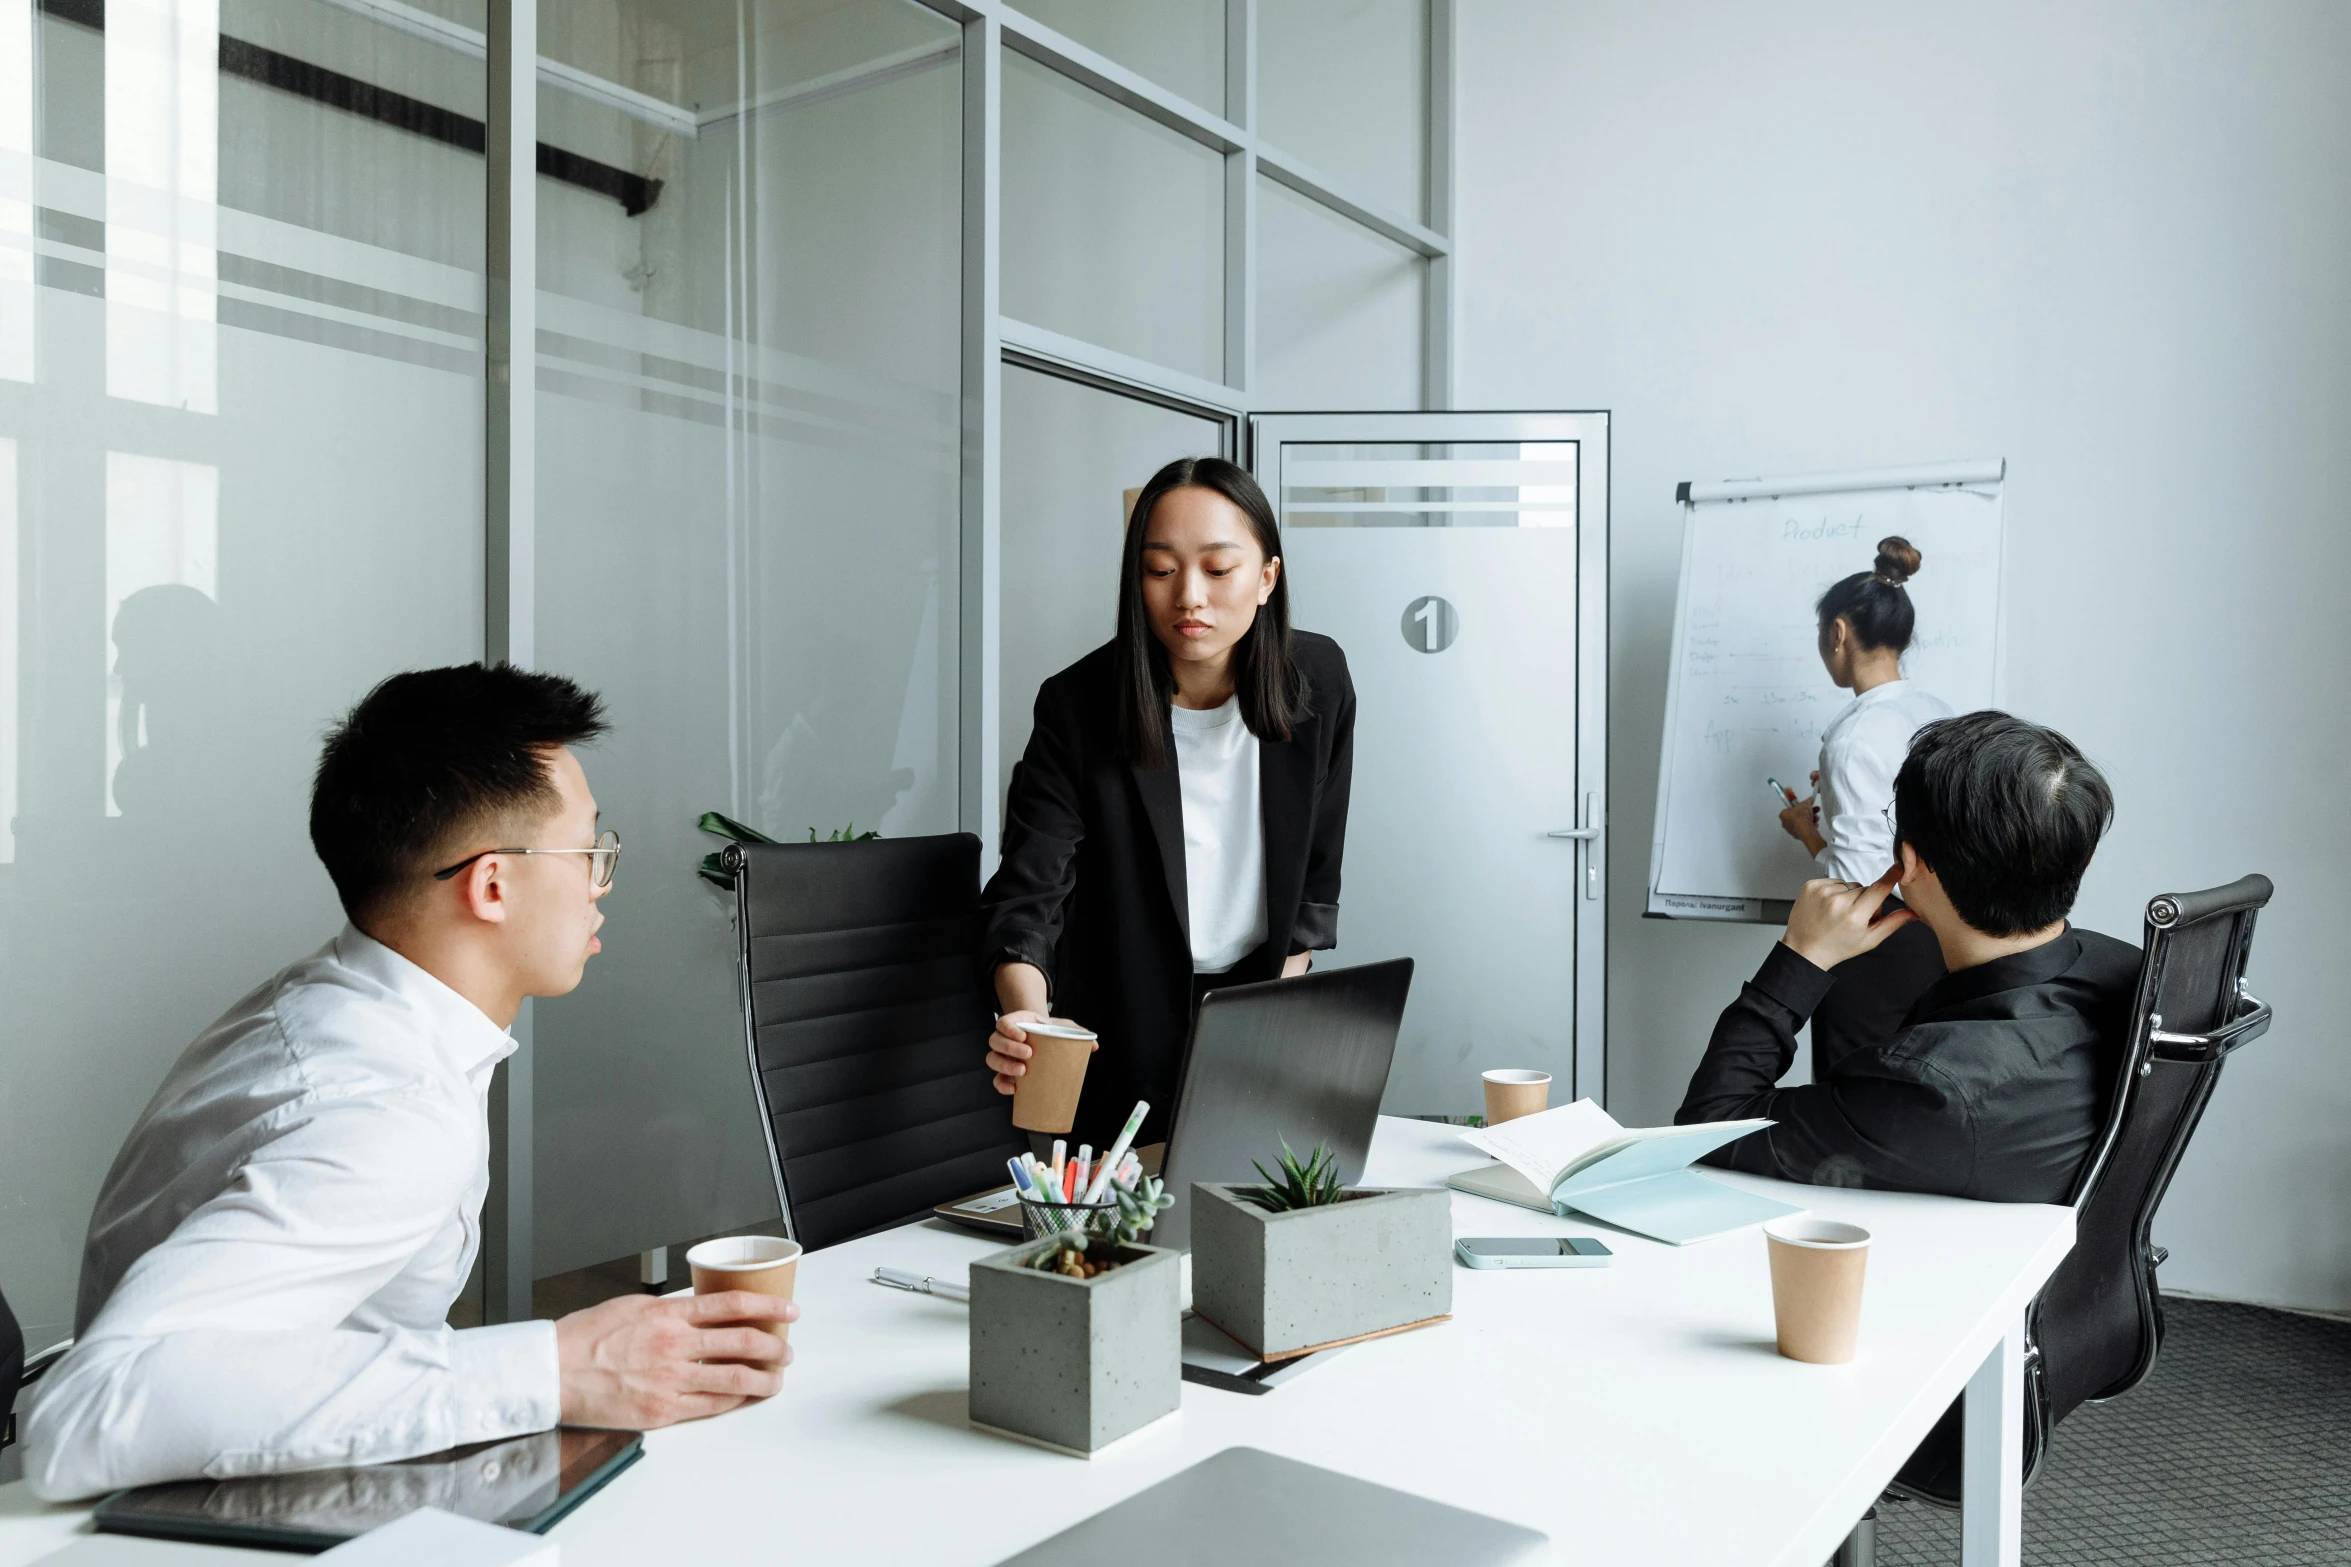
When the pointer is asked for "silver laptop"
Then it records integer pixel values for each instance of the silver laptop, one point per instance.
(1247, 1508)
(1299, 1060)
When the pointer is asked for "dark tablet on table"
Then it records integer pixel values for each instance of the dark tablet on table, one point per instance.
(523, 1482)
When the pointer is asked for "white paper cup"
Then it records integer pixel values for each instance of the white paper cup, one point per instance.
(1515, 1091)
(1816, 1272)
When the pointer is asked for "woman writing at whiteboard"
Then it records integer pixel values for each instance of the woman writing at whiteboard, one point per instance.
(1177, 820)
(1865, 627)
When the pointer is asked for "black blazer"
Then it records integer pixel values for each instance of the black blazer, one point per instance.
(1091, 889)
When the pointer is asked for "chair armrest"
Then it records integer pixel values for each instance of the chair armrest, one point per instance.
(37, 1366)
(2250, 1023)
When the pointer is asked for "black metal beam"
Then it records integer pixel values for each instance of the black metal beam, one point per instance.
(635, 193)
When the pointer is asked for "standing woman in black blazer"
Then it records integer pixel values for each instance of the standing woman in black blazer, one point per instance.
(1177, 821)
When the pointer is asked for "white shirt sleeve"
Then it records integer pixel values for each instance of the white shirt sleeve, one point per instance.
(1856, 780)
(210, 1356)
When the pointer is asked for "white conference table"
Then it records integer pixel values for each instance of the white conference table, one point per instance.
(1633, 1413)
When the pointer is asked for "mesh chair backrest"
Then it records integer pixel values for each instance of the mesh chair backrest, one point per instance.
(2100, 1319)
(867, 1025)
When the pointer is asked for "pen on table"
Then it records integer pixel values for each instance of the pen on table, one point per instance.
(920, 1284)
(1118, 1150)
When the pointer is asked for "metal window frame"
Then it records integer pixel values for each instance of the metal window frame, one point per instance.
(989, 341)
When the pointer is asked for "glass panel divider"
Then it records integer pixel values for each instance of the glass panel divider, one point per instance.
(983, 433)
(510, 456)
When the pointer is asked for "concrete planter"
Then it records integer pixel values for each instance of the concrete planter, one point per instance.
(1284, 1283)
(1075, 1363)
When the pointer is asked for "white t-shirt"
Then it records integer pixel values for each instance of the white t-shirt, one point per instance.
(1860, 752)
(1224, 834)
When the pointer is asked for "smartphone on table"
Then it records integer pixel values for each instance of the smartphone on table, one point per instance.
(1532, 1251)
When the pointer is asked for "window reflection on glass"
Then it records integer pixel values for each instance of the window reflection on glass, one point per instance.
(163, 611)
(163, 174)
(246, 487)
(16, 202)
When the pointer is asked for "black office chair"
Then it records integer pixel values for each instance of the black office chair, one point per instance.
(866, 1024)
(19, 1370)
(2093, 1331)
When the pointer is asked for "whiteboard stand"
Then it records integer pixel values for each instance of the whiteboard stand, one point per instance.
(1748, 581)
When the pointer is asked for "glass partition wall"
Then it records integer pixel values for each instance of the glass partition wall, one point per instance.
(241, 394)
(747, 534)
(852, 319)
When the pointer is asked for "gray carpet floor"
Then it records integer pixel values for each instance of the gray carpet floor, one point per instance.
(2237, 1449)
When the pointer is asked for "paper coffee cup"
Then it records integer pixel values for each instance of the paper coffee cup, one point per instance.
(1513, 1092)
(1045, 1097)
(1816, 1268)
(762, 1264)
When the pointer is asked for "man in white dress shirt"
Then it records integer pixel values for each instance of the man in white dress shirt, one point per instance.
(274, 1253)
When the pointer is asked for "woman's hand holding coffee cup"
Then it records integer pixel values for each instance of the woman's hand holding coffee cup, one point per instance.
(1009, 1050)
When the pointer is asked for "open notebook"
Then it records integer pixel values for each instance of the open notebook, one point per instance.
(1577, 1158)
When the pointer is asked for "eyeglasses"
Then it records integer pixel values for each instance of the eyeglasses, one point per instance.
(606, 858)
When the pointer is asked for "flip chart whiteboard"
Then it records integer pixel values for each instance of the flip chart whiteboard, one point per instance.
(1747, 697)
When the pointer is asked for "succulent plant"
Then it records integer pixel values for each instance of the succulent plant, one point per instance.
(1312, 1184)
(1085, 1252)
(1139, 1207)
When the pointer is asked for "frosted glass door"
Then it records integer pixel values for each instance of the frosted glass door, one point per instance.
(1453, 573)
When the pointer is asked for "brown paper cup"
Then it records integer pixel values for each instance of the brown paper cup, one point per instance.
(1513, 1092)
(762, 1264)
(1816, 1268)
(1045, 1097)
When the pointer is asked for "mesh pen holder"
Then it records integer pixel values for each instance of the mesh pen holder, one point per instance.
(1040, 1219)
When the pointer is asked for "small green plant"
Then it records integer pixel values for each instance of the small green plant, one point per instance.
(1087, 1252)
(714, 871)
(1139, 1208)
(1312, 1184)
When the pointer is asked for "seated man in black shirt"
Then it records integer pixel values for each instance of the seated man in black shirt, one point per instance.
(1995, 1085)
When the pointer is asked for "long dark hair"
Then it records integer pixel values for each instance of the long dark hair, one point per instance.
(1271, 686)
(1874, 602)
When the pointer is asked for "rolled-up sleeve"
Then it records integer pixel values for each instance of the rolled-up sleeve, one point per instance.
(1856, 781)
(233, 1347)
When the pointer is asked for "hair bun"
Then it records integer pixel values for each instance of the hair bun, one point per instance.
(1897, 561)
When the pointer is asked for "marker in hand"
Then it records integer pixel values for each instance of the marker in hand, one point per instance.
(1781, 794)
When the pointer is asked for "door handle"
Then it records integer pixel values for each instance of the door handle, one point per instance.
(1589, 836)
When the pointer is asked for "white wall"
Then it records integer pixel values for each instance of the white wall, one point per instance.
(2107, 241)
